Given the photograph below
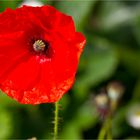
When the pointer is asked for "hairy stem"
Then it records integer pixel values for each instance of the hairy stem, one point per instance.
(56, 112)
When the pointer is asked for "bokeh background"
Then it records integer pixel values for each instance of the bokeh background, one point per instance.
(112, 53)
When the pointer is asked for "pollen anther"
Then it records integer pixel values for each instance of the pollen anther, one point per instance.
(39, 46)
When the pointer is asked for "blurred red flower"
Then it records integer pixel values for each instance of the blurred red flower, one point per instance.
(39, 54)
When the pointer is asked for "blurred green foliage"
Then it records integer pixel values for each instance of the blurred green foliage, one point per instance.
(112, 52)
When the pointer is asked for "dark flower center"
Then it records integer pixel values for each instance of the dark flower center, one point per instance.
(40, 46)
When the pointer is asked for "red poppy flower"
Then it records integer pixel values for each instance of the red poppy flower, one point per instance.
(39, 54)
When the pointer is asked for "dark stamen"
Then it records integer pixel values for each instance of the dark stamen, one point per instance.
(39, 46)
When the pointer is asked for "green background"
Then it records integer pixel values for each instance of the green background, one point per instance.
(112, 52)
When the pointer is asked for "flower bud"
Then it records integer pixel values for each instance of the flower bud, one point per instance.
(133, 116)
(101, 100)
(102, 104)
(115, 90)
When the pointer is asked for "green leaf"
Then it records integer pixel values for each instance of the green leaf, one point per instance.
(78, 9)
(70, 132)
(114, 14)
(9, 4)
(99, 66)
(6, 101)
(136, 93)
(83, 119)
(86, 116)
(5, 124)
(136, 27)
(119, 122)
(50, 2)
(130, 58)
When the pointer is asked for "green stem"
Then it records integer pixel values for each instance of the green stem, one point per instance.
(102, 132)
(109, 136)
(105, 132)
(56, 121)
(109, 132)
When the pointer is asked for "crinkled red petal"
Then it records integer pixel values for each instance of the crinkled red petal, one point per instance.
(32, 78)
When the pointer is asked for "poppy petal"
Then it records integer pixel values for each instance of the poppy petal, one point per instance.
(39, 53)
